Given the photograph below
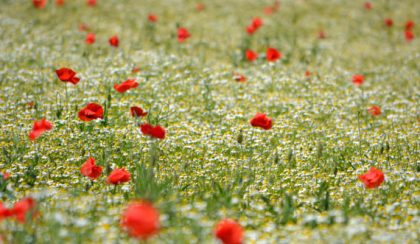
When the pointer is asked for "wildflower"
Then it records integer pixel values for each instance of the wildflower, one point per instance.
(409, 25)
(126, 85)
(308, 73)
(229, 232)
(152, 18)
(90, 170)
(256, 23)
(409, 36)
(153, 131)
(83, 27)
(135, 70)
(59, 2)
(67, 75)
(200, 7)
(262, 121)
(239, 77)
(23, 208)
(251, 55)
(141, 220)
(4, 212)
(183, 34)
(389, 22)
(90, 38)
(118, 176)
(367, 5)
(39, 128)
(358, 79)
(39, 3)
(92, 111)
(91, 3)
(272, 54)
(373, 178)
(6, 176)
(137, 112)
(374, 110)
(321, 35)
(114, 41)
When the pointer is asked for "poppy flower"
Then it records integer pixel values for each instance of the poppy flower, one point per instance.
(5, 212)
(6, 176)
(137, 112)
(114, 41)
(409, 36)
(141, 220)
(272, 54)
(152, 131)
(251, 55)
(83, 27)
(90, 169)
(389, 22)
(256, 23)
(118, 176)
(200, 7)
(22, 208)
(59, 2)
(39, 3)
(250, 29)
(321, 35)
(409, 25)
(358, 79)
(90, 38)
(308, 73)
(183, 34)
(374, 110)
(367, 5)
(67, 75)
(373, 178)
(126, 85)
(91, 3)
(39, 128)
(238, 77)
(135, 70)
(152, 18)
(262, 121)
(92, 111)
(229, 232)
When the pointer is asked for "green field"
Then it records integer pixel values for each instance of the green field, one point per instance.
(294, 183)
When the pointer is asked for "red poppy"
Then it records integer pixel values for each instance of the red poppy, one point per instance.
(39, 3)
(373, 178)
(137, 112)
(229, 232)
(67, 75)
(272, 54)
(152, 131)
(262, 121)
(238, 77)
(91, 3)
(6, 176)
(83, 27)
(389, 22)
(90, 169)
(374, 110)
(256, 23)
(118, 176)
(358, 79)
(22, 208)
(200, 7)
(368, 5)
(272, 9)
(409, 36)
(250, 29)
(39, 128)
(5, 212)
(90, 38)
(135, 70)
(114, 41)
(152, 18)
(126, 85)
(409, 25)
(59, 2)
(141, 220)
(251, 55)
(92, 111)
(321, 35)
(308, 73)
(183, 34)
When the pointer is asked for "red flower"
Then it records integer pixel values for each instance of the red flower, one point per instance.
(200, 7)
(118, 176)
(409, 25)
(91, 3)
(229, 232)
(83, 27)
(114, 41)
(39, 3)
(152, 18)
(262, 121)
(251, 55)
(239, 77)
(141, 220)
(256, 23)
(90, 170)
(308, 73)
(59, 2)
(389, 22)
(135, 70)
(368, 5)
(6, 176)
(358, 79)
(373, 178)
(5, 212)
(90, 38)
(67, 75)
(409, 36)
(91, 111)
(22, 208)
(250, 29)
(137, 112)
(39, 128)
(272, 54)
(183, 34)
(374, 110)
(152, 131)
(126, 85)
(321, 35)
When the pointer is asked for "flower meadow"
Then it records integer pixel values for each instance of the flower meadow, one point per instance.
(183, 121)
